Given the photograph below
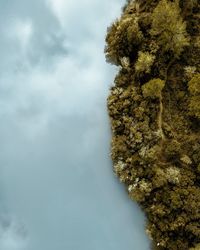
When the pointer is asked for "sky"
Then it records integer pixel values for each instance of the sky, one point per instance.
(57, 188)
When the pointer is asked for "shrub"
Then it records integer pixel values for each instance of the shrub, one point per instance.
(153, 88)
(144, 62)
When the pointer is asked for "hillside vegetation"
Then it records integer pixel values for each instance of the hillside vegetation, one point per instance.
(154, 109)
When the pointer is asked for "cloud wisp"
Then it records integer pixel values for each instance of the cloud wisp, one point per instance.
(56, 179)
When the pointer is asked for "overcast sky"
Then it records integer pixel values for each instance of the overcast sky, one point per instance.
(57, 189)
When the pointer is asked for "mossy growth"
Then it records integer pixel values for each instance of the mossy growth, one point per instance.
(154, 108)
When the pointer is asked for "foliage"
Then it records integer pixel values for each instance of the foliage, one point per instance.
(122, 39)
(194, 85)
(194, 89)
(153, 88)
(194, 106)
(197, 247)
(169, 27)
(144, 62)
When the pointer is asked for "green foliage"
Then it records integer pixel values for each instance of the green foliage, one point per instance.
(194, 106)
(122, 39)
(194, 101)
(144, 62)
(198, 168)
(169, 27)
(190, 71)
(197, 247)
(194, 85)
(139, 190)
(172, 148)
(153, 88)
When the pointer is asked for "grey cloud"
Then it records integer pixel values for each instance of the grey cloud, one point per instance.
(47, 39)
(57, 188)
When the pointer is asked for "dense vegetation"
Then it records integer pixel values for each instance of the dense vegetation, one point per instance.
(154, 107)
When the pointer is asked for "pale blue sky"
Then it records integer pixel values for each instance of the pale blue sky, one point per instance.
(57, 189)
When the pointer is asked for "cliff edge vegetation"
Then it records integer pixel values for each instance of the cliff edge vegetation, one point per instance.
(154, 109)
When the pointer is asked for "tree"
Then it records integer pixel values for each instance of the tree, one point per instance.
(169, 28)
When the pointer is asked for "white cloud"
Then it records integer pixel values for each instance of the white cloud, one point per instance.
(13, 235)
(55, 170)
(22, 30)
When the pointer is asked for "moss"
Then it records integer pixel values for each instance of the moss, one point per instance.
(154, 109)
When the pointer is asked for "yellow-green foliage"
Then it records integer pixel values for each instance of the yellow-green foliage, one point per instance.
(144, 62)
(153, 88)
(194, 89)
(169, 27)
